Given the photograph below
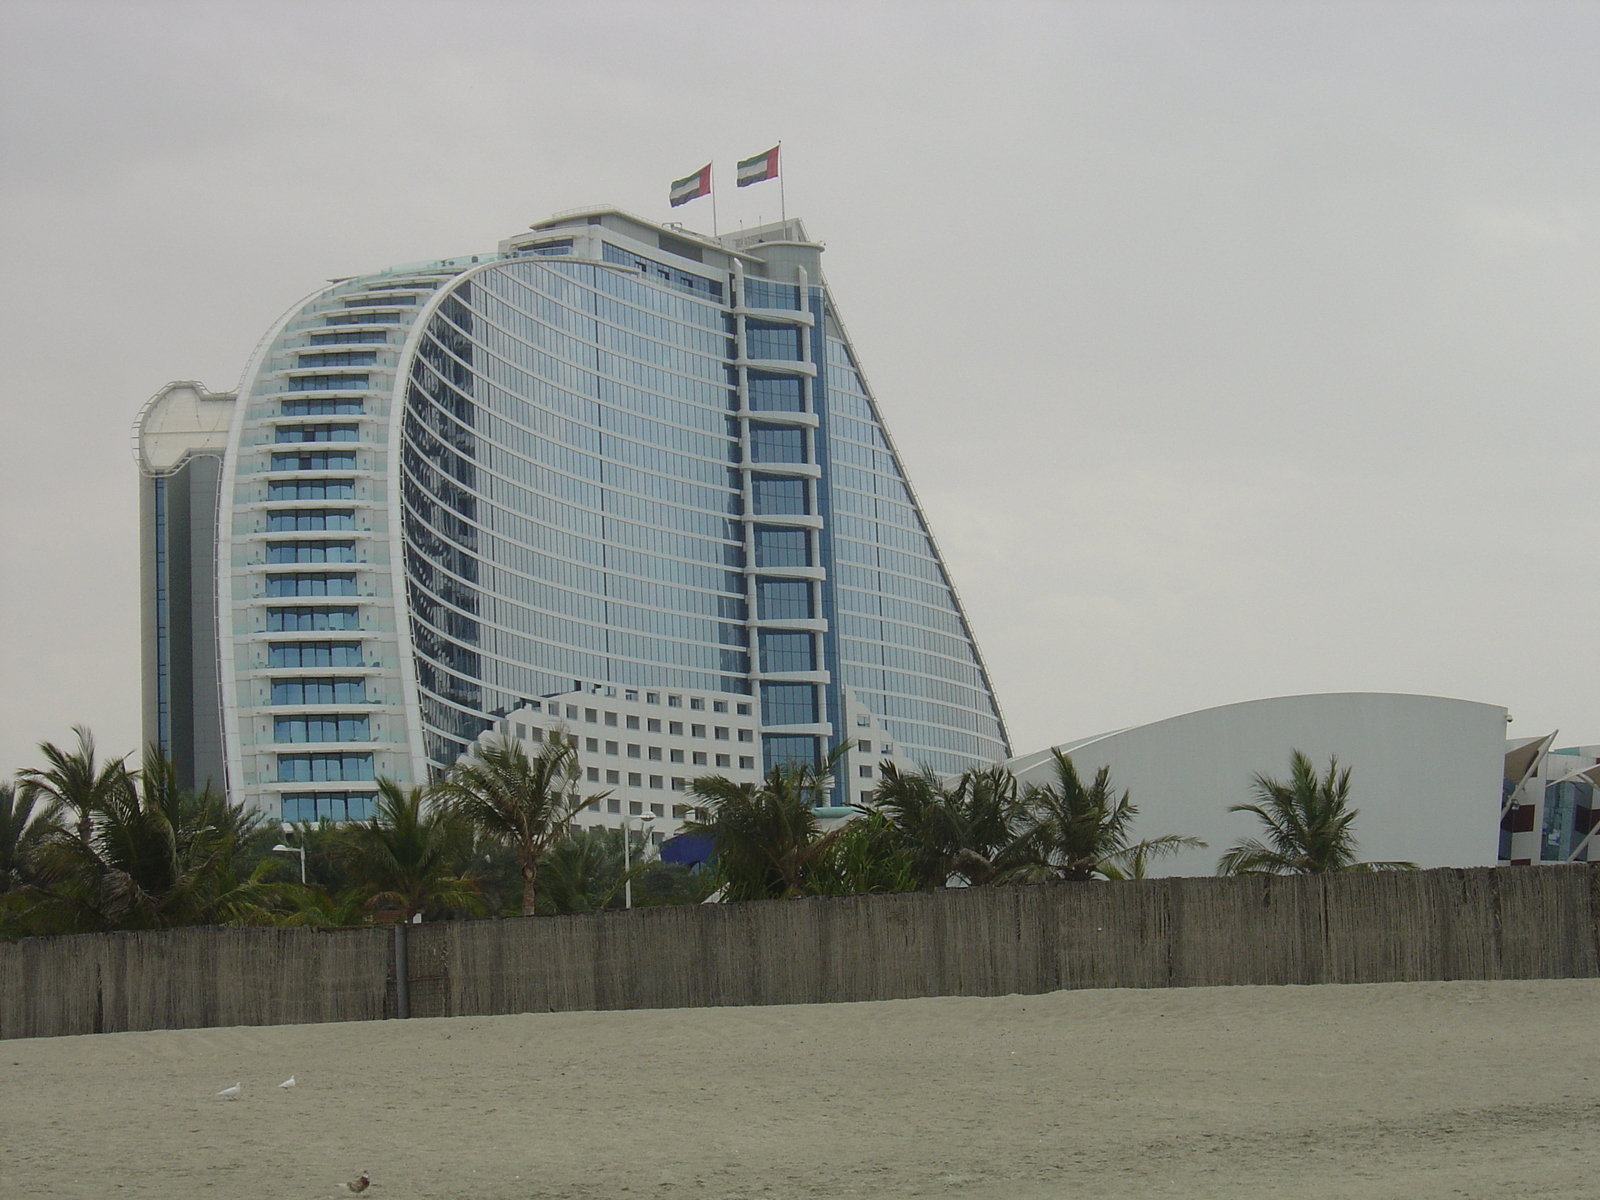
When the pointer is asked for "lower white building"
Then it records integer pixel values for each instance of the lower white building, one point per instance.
(1426, 772)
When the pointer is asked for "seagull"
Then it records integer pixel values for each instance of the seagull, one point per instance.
(287, 1084)
(360, 1183)
(230, 1093)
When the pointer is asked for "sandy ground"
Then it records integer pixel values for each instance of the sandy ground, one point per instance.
(1392, 1090)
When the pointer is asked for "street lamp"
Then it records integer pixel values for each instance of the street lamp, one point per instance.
(280, 848)
(627, 839)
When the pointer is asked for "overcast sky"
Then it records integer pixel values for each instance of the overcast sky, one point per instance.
(1235, 350)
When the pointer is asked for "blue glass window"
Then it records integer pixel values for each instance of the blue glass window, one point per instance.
(370, 301)
(783, 600)
(777, 443)
(777, 547)
(363, 319)
(311, 807)
(311, 620)
(318, 433)
(355, 335)
(786, 650)
(315, 654)
(321, 408)
(294, 520)
(331, 690)
(323, 768)
(311, 552)
(340, 358)
(327, 383)
(759, 293)
(311, 489)
(318, 584)
(775, 393)
(771, 494)
(765, 339)
(1568, 813)
(329, 460)
(330, 727)
(788, 704)
(780, 749)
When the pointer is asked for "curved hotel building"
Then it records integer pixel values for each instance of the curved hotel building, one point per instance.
(615, 477)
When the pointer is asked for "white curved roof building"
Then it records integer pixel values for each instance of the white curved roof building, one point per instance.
(1426, 772)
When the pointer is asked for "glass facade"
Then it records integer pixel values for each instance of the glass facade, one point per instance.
(645, 463)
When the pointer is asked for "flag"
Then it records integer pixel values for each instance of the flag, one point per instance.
(758, 169)
(691, 187)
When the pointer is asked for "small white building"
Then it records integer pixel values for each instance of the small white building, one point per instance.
(1549, 813)
(1425, 772)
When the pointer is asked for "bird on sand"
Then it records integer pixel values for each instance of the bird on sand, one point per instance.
(360, 1183)
(288, 1084)
(230, 1093)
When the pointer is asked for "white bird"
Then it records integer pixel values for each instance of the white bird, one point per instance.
(230, 1093)
(360, 1182)
(287, 1084)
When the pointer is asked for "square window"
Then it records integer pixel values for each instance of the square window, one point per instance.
(677, 784)
(864, 747)
(614, 806)
(572, 712)
(652, 697)
(655, 753)
(635, 779)
(866, 797)
(724, 761)
(698, 731)
(633, 722)
(676, 755)
(674, 701)
(719, 706)
(675, 728)
(864, 771)
(536, 734)
(746, 763)
(699, 758)
(594, 774)
(592, 745)
(656, 781)
(633, 751)
(720, 733)
(635, 808)
(612, 748)
(747, 735)
(888, 747)
(611, 719)
(659, 810)
(522, 731)
(593, 806)
(613, 777)
(657, 837)
(592, 716)
(653, 725)
(744, 710)
(863, 720)
(630, 694)
(680, 811)
(696, 703)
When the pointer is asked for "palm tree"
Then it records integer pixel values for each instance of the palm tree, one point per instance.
(585, 872)
(75, 781)
(1081, 831)
(971, 829)
(767, 840)
(526, 803)
(407, 859)
(24, 825)
(1308, 825)
(156, 856)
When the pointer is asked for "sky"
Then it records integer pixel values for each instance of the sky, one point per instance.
(1233, 350)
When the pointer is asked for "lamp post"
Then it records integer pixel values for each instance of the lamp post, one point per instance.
(627, 840)
(280, 848)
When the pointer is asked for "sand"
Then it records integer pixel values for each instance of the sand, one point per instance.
(1392, 1090)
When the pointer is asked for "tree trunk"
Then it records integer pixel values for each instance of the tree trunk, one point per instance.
(530, 874)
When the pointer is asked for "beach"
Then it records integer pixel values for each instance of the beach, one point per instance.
(1463, 1089)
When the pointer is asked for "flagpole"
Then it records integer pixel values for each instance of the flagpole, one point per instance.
(713, 202)
(783, 204)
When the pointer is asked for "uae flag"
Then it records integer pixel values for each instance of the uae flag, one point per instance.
(691, 187)
(759, 168)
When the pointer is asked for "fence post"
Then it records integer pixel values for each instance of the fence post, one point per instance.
(402, 973)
